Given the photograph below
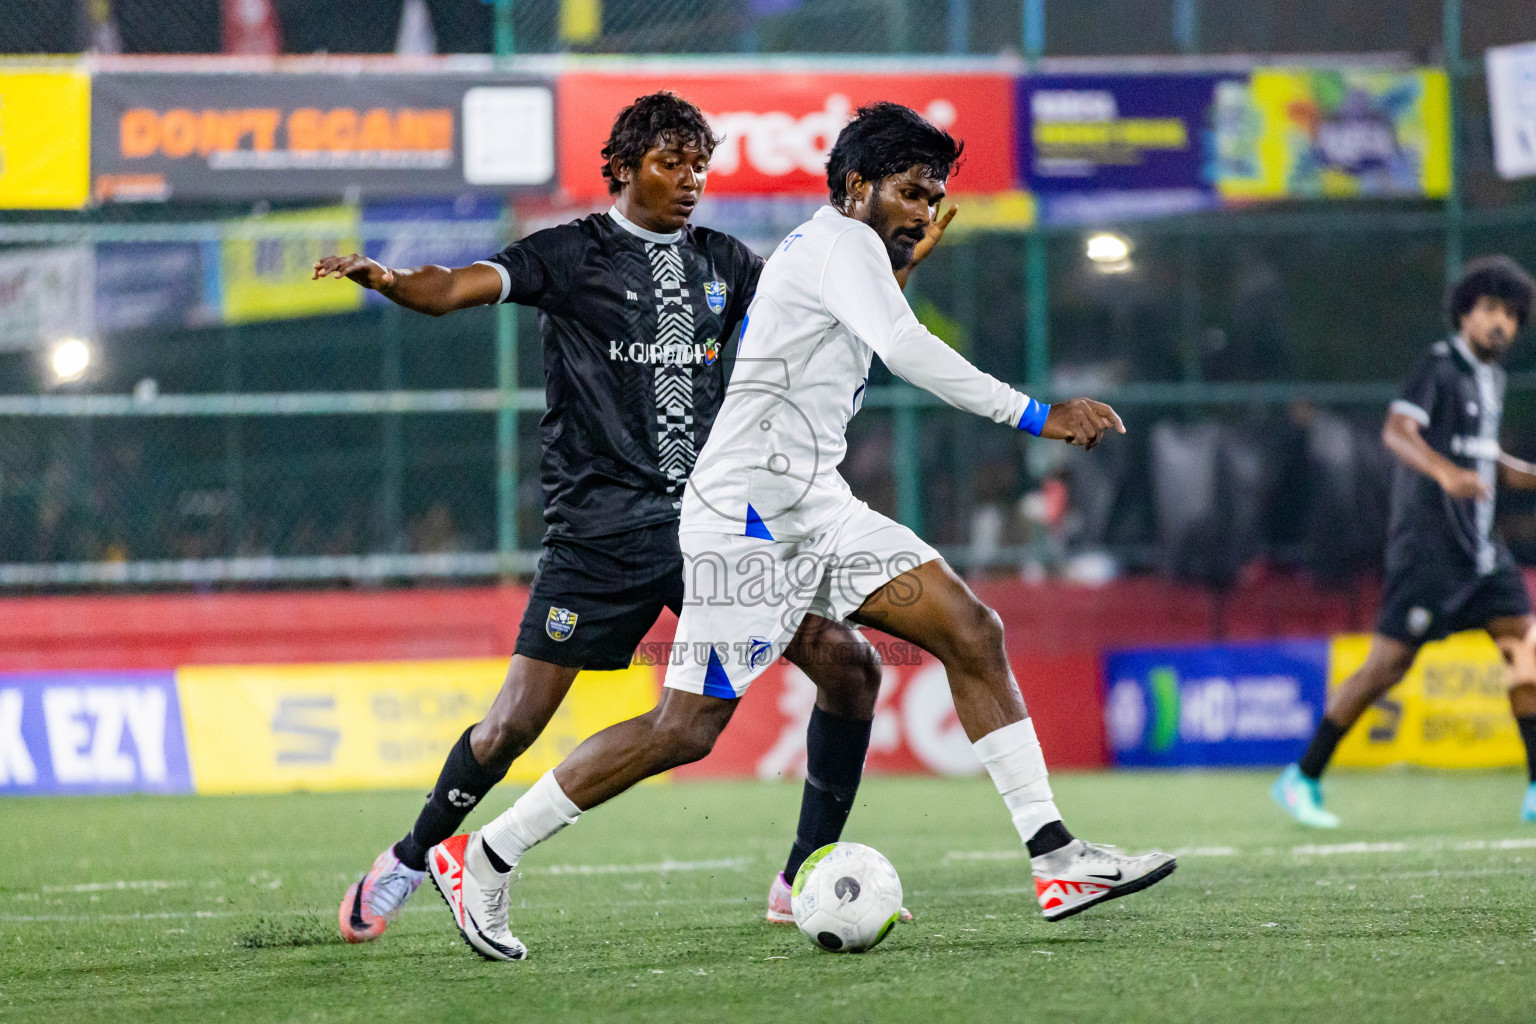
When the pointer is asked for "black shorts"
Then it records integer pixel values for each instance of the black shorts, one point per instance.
(593, 600)
(1430, 601)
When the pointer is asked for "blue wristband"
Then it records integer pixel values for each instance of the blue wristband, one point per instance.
(1034, 416)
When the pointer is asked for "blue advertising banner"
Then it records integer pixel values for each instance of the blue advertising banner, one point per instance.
(390, 238)
(155, 284)
(1237, 704)
(1116, 146)
(91, 732)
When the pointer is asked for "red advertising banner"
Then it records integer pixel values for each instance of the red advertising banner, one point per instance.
(778, 126)
(916, 729)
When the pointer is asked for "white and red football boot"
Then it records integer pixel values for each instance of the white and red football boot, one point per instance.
(1070, 880)
(782, 911)
(372, 901)
(477, 894)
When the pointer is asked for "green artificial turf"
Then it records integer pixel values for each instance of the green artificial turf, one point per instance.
(1419, 909)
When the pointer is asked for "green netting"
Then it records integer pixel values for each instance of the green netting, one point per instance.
(372, 444)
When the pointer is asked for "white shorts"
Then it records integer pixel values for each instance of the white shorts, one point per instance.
(744, 598)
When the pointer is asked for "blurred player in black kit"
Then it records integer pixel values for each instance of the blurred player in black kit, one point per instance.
(1446, 568)
(635, 306)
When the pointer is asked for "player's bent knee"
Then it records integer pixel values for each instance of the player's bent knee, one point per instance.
(679, 739)
(497, 744)
(1382, 679)
(676, 745)
(1384, 670)
(503, 739)
(975, 640)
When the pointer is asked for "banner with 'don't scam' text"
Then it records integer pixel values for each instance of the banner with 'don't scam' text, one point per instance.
(238, 135)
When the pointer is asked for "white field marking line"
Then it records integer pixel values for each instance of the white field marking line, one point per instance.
(169, 915)
(424, 908)
(662, 867)
(1304, 850)
(658, 868)
(153, 884)
(1335, 849)
(1529, 842)
(1182, 851)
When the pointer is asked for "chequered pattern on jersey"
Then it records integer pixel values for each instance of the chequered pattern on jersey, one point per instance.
(674, 377)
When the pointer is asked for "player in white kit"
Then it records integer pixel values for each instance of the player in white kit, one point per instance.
(771, 532)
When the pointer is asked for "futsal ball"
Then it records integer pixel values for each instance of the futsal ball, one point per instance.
(846, 897)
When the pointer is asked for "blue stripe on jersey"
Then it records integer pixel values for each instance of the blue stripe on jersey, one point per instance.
(716, 682)
(755, 525)
(1034, 416)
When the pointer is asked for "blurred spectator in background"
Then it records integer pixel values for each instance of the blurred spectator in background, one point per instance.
(373, 26)
(1257, 343)
(434, 532)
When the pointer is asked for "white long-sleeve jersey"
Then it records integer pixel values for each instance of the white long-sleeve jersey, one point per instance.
(826, 303)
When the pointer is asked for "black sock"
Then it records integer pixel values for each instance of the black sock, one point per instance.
(1051, 837)
(490, 855)
(834, 761)
(1527, 724)
(460, 786)
(1320, 750)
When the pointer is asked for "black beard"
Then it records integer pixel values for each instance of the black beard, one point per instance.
(898, 244)
(1493, 348)
(900, 249)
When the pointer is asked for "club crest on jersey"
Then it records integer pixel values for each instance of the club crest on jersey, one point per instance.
(714, 294)
(560, 624)
(759, 649)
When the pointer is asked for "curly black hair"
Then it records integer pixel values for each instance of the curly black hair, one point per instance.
(658, 119)
(885, 139)
(1497, 277)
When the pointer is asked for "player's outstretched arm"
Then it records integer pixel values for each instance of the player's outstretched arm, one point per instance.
(431, 289)
(856, 289)
(1081, 421)
(1402, 438)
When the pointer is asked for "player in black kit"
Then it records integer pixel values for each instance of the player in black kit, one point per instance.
(635, 305)
(1446, 569)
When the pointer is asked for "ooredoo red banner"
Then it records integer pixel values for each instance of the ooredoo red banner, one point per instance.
(778, 126)
(916, 729)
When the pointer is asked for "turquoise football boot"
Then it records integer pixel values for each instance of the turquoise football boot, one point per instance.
(1302, 799)
(1528, 809)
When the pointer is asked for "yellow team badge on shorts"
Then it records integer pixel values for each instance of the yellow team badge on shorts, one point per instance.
(560, 624)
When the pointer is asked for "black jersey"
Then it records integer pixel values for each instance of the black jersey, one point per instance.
(632, 323)
(1458, 401)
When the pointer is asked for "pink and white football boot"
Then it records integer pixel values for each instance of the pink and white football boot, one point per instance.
(372, 901)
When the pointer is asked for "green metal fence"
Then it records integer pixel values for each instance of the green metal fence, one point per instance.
(1053, 27)
(378, 446)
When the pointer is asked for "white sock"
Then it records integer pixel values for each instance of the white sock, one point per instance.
(537, 815)
(1017, 766)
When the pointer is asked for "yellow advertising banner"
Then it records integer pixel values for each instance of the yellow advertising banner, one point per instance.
(1450, 711)
(372, 725)
(999, 211)
(270, 277)
(1293, 133)
(45, 139)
